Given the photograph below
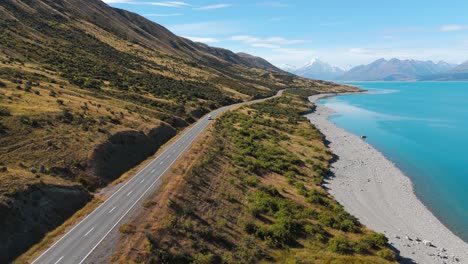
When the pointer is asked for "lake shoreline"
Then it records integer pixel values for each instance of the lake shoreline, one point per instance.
(374, 190)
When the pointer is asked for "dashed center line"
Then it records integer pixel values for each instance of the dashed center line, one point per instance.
(161, 162)
(142, 181)
(87, 233)
(130, 192)
(59, 260)
(153, 170)
(112, 209)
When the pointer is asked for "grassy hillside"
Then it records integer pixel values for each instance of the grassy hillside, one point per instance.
(251, 192)
(88, 92)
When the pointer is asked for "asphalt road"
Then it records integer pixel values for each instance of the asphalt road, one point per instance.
(76, 245)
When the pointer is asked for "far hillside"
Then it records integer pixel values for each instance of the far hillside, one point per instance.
(88, 92)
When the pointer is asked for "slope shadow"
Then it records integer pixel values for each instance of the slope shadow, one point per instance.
(401, 260)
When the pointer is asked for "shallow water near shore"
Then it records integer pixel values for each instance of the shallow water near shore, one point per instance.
(423, 128)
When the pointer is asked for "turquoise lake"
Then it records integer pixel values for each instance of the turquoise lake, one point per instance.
(423, 128)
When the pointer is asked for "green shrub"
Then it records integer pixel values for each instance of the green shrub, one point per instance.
(387, 254)
(361, 247)
(25, 120)
(208, 258)
(12, 191)
(251, 181)
(375, 240)
(348, 226)
(340, 245)
(4, 111)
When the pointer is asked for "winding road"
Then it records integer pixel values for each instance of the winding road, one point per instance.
(78, 243)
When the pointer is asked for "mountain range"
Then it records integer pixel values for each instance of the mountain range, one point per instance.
(458, 73)
(385, 70)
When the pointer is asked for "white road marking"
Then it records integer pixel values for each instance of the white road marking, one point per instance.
(153, 170)
(95, 211)
(161, 162)
(129, 193)
(87, 233)
(112, 209)
(59, 260)
(142, 181)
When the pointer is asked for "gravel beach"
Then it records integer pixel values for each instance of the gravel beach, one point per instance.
(374, 190)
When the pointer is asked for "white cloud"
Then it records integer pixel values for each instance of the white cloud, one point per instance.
(162, 15)
(447, 28)
(265, 45)
(272, 40)
(169, 4)
(203, 40)
(211, 7)
(163, 3)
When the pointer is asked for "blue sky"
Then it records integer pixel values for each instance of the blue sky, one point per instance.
(343, 33)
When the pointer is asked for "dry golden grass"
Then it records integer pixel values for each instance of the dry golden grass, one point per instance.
(214, 200)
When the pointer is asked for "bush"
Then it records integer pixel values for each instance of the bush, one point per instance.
(361, 247)
(4, 111)
(208, 258)
(127, 229)
(2, 84)
(251, 181)
(12, 192)
(375, 240)
(387, 254)
(348, 226)
(25, 120)
(340, 245)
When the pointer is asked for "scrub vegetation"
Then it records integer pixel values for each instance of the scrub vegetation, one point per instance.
(88, 92)
(254, 194)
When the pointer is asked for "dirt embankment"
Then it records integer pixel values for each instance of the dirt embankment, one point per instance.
(124, 150)
(28, 214)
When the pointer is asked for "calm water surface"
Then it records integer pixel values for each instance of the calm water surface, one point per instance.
(423, 128)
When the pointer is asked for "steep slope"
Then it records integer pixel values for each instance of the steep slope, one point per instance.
(394, 70)
(83, 87)
(257, 62)
(461, 68)
(459, 73)
(318, 69)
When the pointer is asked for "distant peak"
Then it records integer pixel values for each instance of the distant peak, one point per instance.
(314, 61)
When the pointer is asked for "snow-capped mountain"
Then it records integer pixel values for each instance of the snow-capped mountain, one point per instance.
(396, 70)
(288, 68)
(317, 69)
